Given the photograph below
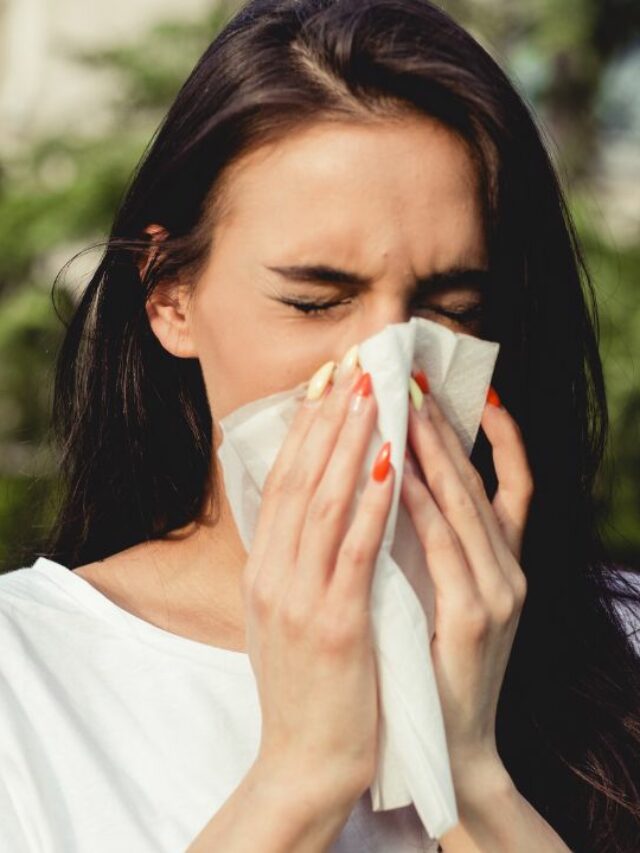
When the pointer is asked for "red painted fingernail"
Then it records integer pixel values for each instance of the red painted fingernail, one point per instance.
(360, 391)
(421, 378)
(362, 388)
(492, 397)
(382, 462)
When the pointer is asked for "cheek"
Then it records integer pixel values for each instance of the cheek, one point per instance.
(245, 353)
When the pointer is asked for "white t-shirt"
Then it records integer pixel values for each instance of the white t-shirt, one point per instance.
(116, 735)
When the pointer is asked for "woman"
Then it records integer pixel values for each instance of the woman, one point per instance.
(327, 168)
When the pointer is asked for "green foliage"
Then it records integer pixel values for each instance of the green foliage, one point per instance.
(28, 341)
(153, 72)
(26, 513)
(63, 190)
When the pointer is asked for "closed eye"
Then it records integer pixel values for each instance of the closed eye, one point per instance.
(315, 308)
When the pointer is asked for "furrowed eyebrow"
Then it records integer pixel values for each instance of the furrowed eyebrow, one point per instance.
(327, 275)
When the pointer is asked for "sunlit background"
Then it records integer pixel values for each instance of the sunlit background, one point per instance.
(84, 84)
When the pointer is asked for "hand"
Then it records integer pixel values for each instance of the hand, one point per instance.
(472, 550)
(306, 587)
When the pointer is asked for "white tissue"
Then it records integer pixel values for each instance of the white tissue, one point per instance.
(413, 760)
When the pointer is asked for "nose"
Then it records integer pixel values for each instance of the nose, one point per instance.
(375, 317)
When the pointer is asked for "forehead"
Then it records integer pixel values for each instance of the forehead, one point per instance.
(407, 182)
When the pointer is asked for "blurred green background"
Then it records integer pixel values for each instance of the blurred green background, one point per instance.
(576, 62)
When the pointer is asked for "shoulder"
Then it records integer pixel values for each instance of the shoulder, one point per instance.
(132, 580)
(49, 619)
(42, 601)
(19, 587)
(111, 578)
(31, 607)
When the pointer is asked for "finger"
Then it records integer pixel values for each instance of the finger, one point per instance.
(455, 501)
(299, 482)
(454, 582)
(298, 430)
(329, 510)
(355, 564)
(512, 500)
(467, 471)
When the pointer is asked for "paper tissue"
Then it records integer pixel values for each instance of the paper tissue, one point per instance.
(413, 764)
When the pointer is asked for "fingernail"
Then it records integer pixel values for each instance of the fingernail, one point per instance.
(320, 380)
(361, 390)
(347, 366)
(493, 398)
(416, 395)
(381, 463)
(421, 378)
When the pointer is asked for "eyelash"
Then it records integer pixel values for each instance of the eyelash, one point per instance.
(316, 308)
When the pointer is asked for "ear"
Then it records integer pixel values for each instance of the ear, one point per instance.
(168, 307)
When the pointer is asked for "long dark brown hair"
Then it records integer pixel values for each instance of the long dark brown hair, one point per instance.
(135, 427)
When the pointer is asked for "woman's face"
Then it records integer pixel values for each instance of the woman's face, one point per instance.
(377, 208)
